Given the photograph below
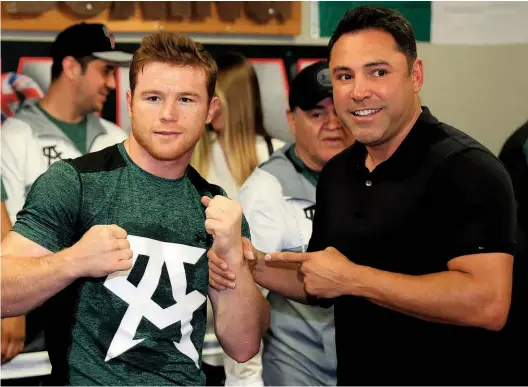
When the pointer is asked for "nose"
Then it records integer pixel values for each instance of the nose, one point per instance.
(360, 89)
(333, 122)
(111, 81)
(169, 110)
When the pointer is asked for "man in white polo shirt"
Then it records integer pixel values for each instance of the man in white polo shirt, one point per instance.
(65, 123)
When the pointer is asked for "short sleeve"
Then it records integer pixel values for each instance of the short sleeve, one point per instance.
(318, 240)
(475, 205)
(51, 210)
(261, 198)
(4, 193)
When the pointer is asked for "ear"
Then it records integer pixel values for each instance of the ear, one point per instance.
(213, 105)
(71, 68)
(417, 74)
(129, 103)
(291, 121)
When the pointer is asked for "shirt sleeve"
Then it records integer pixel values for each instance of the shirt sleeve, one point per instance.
(475, 204)
(318, 240)
(260, 202)
(4, 193)
(50, 213)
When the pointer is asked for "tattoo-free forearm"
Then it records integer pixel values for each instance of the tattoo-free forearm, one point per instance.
(280, 278)
(27, 282)
(241, 315)
(451, 297)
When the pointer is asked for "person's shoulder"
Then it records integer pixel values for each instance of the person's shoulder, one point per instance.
(277, 143)
(260, 186)
(16, 128)
(461, 148)
(260, 180)
(201, 184)
(342, 160)
(104, 160)
(113, 130)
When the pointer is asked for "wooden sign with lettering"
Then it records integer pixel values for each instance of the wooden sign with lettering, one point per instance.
(229, 17)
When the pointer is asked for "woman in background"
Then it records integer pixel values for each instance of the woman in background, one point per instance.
(236, 142)
(232, 147)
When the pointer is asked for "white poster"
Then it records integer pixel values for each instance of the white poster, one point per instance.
(479, 22)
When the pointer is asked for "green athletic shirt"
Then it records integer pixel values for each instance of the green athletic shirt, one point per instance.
(142, 327)
(4, 193)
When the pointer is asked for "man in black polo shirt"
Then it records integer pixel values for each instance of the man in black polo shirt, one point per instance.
(414, 228)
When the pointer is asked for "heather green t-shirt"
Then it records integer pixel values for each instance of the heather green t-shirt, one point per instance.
(143, 327)
(4, 193)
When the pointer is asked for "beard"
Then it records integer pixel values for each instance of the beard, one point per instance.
(170, 149)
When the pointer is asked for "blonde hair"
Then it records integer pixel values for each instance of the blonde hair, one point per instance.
(238, 90)
(175, 49)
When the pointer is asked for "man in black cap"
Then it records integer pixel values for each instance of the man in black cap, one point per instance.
(63, 124)
(278, 200)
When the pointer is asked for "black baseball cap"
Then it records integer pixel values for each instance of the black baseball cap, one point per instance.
(310, 86)
(85, 39)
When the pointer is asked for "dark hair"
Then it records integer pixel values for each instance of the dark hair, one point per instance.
(368, 17)
(56, 67)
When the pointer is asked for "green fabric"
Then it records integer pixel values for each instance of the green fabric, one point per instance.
(76, 132)
(4, 193)
(146, 206)
(417, 12)
(311, 175)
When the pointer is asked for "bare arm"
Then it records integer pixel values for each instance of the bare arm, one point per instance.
(14, 328)
(6, 223)
(474, 291)
(280, 278)
(30, 280)
(241, 313)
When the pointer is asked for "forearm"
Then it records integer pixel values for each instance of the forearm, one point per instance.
(241, 315)
(27, 282)
(449, 297)
(282, 279)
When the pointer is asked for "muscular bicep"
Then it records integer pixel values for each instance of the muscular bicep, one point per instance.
(494, 269)
(17, 245)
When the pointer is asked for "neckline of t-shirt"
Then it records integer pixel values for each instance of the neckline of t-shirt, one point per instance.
(156, 179)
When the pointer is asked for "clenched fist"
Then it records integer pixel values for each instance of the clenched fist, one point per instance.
(102, 250)
(224, 222)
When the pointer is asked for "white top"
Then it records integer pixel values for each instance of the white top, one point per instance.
(26, 154)
(219, 172)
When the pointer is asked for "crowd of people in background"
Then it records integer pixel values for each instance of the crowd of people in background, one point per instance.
(380, 246)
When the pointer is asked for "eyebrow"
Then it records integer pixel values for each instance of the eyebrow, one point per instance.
(367, 65)
(184, 93)
(377, 63)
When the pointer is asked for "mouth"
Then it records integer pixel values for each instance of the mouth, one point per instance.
(333, 139)
(365, 112)
(166, 133)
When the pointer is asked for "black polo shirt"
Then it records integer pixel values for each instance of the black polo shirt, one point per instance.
(439, 196)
